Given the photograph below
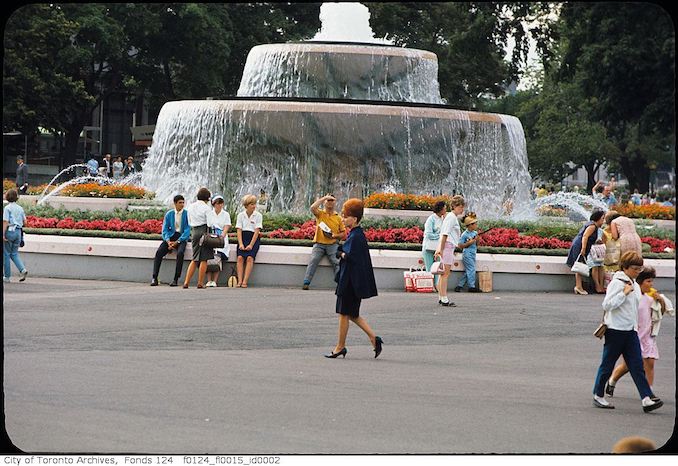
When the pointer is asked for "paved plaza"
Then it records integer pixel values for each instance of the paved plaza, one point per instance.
(115, 367)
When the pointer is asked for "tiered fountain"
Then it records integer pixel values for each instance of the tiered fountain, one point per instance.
(348, 118)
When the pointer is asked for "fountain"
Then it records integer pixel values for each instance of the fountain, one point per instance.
(348, 118)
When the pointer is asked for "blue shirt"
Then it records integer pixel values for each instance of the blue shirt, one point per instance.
(93, 167)
(14, 215)
(465, 237)
(169, 226)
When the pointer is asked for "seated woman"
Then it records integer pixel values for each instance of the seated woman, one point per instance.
(220, 221)
(248, 225)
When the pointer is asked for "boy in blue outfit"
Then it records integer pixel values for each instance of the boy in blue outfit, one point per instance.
(467, 243)
(175, 234)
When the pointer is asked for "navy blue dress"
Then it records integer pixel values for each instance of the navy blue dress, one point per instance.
(356, 277)
(576, 244)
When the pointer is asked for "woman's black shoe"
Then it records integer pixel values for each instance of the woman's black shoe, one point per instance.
(377, 346)
(449, 303)
(341, 353)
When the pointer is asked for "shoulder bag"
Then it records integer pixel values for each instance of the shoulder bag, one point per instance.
(211, 240)
(580, 267)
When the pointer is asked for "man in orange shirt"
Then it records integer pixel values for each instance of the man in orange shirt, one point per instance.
(328, 232)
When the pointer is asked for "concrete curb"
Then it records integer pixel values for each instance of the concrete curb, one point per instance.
(132, 260)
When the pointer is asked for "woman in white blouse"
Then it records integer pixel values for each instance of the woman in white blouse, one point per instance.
(248, 225)
(220, 220)
(197, 219)
(432, 235)
(450, 232)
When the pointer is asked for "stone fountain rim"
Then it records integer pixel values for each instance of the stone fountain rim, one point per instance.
(385, 108)
(356, 46)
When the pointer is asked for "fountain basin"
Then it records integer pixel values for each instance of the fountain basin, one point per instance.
(297, 150)
(341, 70)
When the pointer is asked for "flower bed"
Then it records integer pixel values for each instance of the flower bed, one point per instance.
(403, 201)
(112, 190)
(32, 190)
(114, 224)
(652, 211)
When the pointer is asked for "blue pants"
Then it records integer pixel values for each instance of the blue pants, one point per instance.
(319, 250)
(428, 262)
(469, 276)
(622, 342)
(10, 252)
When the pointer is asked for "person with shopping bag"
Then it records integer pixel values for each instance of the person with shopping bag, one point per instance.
(581, 246)
(450, 233)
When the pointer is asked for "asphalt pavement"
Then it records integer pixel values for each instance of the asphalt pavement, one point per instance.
(114, 367)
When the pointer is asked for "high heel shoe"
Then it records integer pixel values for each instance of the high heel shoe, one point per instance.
(341, 353)
(578, 291)
(377, 346)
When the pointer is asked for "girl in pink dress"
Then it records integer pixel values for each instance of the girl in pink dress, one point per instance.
(648, 343)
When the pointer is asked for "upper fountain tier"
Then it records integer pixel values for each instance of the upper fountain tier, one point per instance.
(326, 70)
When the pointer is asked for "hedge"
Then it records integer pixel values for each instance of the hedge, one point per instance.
(306, 242)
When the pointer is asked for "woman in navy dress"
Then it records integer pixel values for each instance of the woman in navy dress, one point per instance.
(581, 245)
(355, 280)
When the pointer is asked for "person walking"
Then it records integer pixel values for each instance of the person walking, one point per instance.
(219, 220)
(450, 233)
(647, 329)
(175, 234)
(13, 219)
(431, 240)
(624, 229)
(21, 180)
(355, 281)
(248, 226)
(197, 219)
(329, 231)
(467, 243)
(621, 338)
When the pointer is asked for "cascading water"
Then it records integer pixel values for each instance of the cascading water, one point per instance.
(351, 119)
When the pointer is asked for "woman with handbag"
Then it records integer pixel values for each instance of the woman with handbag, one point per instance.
(581, 246)
(450, 233)
(432, 236)
(621, 337)
(197, 219)
(651, 302)
(355, 280)
(248, 226)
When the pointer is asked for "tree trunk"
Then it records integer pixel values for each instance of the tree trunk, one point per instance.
(636, 171)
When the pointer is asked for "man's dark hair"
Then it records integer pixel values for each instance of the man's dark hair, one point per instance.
(438, 206)
(12, 195)
(204, 194)
(178, 198)
(648, 272)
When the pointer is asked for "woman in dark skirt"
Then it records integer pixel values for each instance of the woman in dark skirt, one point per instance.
(248, 228)
(355, 280)
(581, 246)
(197, 219)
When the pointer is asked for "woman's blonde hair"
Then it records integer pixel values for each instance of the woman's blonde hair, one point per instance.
(630, 258)
(457, 201)
(249, 199)
(611, 215)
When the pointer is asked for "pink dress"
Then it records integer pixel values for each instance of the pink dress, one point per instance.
(648, 343)
(628, 237)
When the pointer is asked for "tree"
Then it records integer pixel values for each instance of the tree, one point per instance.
(623, 56)
(469, 39)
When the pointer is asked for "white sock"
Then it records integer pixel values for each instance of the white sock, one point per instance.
(444, 299)
(647, 401)
(611, 382)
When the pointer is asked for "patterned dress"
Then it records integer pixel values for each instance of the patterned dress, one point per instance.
(628, 237)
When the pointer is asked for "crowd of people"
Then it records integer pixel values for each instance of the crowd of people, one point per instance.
(116, 169)
(632, 308)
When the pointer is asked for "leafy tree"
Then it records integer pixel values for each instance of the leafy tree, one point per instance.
(469, 39)
(623, 56)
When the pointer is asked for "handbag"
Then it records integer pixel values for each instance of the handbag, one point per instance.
(233, 279)
(580, 267)
(599, 332)
(598, 252)
(210, 240)
(214, 264)
(437, 268)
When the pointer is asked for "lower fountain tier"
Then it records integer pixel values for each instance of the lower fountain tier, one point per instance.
(296, 151)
